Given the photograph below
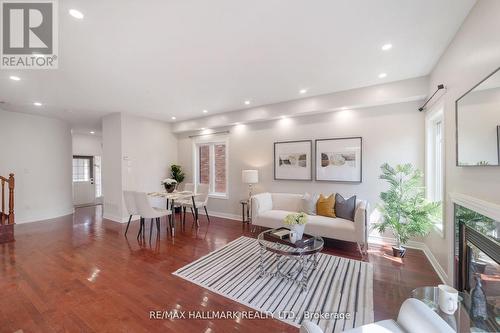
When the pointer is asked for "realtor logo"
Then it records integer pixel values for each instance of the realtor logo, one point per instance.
(29, 34)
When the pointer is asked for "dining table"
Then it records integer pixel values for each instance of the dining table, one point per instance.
(178, 196)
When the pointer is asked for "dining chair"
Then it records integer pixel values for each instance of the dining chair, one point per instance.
(146, 211)
(129, 199)
(187, 187)
(200, 201)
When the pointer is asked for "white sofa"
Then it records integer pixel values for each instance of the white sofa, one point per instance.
(414, 317)
(269, 210)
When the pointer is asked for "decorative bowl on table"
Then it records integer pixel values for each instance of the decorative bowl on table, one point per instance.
(170, 184)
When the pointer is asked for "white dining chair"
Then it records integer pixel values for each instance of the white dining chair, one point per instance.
(129, 199)
(200, 201)
(146, 211)
(187, 187)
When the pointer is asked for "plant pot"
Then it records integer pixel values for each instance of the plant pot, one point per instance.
(299, 230)
(398, 252)
(170, 188)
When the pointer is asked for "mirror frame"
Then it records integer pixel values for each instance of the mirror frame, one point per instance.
(456, 124)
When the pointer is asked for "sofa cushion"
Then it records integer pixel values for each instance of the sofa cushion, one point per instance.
(345, 208)
(309, 203)
(287, 201)
(326, 206)
(271, 218)
(335, 228)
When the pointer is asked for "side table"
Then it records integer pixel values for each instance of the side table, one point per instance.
(461, 320)
(245, 211)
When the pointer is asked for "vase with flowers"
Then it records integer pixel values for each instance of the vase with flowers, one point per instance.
(297, 223)
(170, 184)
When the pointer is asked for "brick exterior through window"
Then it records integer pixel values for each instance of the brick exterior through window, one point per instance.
(204, 167)
(212, 163)
(220, 168)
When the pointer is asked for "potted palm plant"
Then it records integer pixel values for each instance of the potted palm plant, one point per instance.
(177, 173)
(404, 209)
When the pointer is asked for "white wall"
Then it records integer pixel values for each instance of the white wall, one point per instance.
(38, 150)
(472, 55)
(112, 166)
(140, 152)
(392, 133)
(87, 144)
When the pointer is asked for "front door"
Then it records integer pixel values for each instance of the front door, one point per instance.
(83, 180)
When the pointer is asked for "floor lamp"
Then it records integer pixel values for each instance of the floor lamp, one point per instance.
(250, 177)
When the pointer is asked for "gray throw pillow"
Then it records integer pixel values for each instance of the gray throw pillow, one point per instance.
(309, 203)
(345, 208)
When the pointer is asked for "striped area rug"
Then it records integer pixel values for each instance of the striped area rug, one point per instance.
(338, 286)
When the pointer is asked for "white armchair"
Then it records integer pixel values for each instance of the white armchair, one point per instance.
(414, 317)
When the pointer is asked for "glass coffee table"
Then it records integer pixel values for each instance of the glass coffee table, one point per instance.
(305, 259)
(460, 321)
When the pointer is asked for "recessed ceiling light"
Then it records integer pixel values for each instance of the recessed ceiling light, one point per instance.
(15, 78)
(302, 91)
(92, 132)
(203, 128)
(37, 104)
(386, 47)
(205, 111)
(76, 14)
(173, 118)
(382, 75)
(247, 102)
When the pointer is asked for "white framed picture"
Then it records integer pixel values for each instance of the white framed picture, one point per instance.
(293, 160)
(339, 160)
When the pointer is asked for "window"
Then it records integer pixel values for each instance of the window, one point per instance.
(434, 128)
(82, 171)
(211, 166)
(97, 178)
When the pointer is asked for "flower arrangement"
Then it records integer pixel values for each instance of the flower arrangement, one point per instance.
(169, 181)
(295, 218)
(169, 184)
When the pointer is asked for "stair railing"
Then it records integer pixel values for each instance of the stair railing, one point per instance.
(7, 215)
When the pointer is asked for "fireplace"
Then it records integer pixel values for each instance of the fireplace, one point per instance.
(477, 263)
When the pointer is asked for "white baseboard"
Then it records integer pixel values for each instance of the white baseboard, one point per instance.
(47, 218)
(435, 264)
(414, 245)
(224, 215)
(115, 218)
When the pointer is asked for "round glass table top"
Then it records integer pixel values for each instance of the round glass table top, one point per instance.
(283, 247)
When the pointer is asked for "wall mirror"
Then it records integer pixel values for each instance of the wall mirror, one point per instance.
(478, 124)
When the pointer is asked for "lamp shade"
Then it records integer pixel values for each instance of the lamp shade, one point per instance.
(250, 176)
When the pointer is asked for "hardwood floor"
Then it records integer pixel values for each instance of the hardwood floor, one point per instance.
(80, 274)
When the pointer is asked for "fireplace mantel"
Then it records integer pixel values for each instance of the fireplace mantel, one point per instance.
(485, 208)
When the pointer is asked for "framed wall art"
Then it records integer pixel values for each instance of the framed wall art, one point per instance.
(293, 160)
(339, 160)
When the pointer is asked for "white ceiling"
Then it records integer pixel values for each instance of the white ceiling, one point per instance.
(164, 58)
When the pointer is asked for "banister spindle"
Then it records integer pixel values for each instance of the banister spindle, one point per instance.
(2, 213)
(11, 198)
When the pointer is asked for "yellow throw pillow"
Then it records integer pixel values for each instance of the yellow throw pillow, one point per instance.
(326, 206)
